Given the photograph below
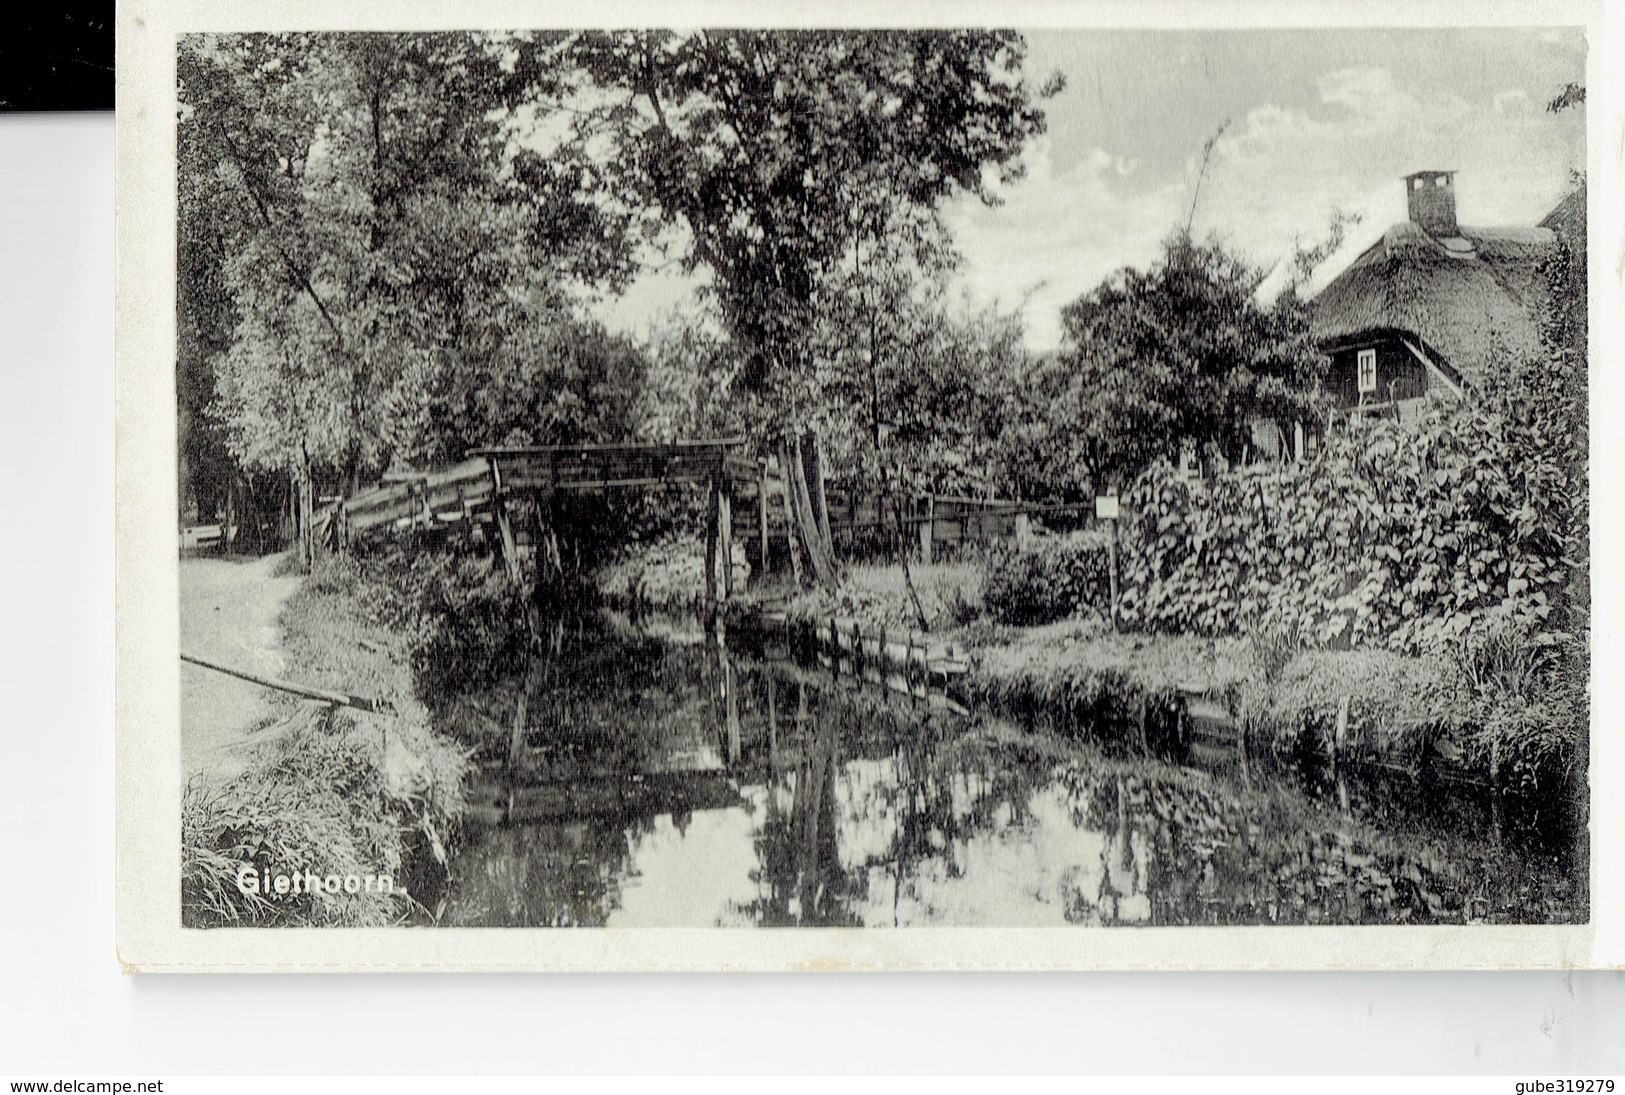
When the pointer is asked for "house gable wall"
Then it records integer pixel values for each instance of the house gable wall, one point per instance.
(1395, 365)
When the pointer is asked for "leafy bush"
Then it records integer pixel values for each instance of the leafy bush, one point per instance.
(1080, 678)
(329, 792)
(876, 596)
(316, 801)
(1403, 537)
(1052, 579)
(667, 571)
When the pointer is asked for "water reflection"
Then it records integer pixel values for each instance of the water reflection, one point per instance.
(676, 782)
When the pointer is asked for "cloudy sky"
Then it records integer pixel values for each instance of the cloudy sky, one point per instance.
(1319, 120)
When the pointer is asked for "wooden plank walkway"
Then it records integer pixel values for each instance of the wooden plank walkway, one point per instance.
(597, 467)
(466, 491)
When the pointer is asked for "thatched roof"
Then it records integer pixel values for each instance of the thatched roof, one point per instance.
(1568, 218)
(1470, 299)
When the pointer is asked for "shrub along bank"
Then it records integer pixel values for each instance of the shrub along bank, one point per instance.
(1398, 538)
(1050, 580)
(1078, 674)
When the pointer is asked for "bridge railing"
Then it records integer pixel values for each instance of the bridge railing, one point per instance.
(468, 493)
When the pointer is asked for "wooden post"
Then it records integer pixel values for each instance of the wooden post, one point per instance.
(761, 514)
(730, 702)
(516, 739)
(1241, 745)
(909, 674)
(725, 535)
(1497, 802)
(225, 531)
(289, 521)
(772, 722)
(549, 560)
(1024, 532)
(307, 512)
(506, 544)
(926, 530)
(711, 547)
(1340, 737)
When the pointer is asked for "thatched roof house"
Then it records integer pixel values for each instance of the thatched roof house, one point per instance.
(1432, 305)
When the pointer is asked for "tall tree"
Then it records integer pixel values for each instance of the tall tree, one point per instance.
(380, 226)
(756, 143)
(1181, 352)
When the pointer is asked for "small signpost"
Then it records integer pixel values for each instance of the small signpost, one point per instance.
(1106, 509)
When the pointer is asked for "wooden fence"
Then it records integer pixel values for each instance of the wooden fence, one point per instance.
(867, 518)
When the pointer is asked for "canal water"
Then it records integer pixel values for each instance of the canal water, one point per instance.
(670, 779)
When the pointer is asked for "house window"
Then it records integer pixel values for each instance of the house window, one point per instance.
(1367, 372)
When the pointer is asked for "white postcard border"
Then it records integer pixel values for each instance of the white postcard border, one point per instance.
(150, 937)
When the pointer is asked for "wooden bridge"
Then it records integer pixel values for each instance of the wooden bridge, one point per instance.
(474, 489)
(478, 491)
(781, 507)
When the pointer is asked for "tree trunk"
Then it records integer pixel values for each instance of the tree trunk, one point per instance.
(225, 530)
(902, 559)
(712, 505)
(761, 509)
(725, 538)
(302, 521)
(815, 485)
(818, 554)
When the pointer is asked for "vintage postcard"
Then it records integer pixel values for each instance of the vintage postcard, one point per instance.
(869, 487)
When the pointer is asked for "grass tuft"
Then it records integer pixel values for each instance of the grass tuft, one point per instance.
(333, 792)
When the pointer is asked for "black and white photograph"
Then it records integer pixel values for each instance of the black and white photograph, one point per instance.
(1081, 478)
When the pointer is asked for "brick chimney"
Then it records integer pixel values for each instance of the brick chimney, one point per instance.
(1431, 198)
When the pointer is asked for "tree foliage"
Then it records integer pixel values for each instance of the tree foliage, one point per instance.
(908, 379)
(385, 239)
(689, 385)
(377, 227)
(1572, 95)
(761, 146)
(1182, 351)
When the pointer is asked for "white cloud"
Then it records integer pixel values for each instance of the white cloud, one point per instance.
(1058, 234)
(1365, 91)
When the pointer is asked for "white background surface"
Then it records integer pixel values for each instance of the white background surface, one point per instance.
(65, 1008)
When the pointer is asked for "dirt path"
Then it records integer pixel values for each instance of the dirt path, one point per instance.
(229, 613)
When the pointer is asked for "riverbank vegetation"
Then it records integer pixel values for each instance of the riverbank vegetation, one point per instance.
(332, 791)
